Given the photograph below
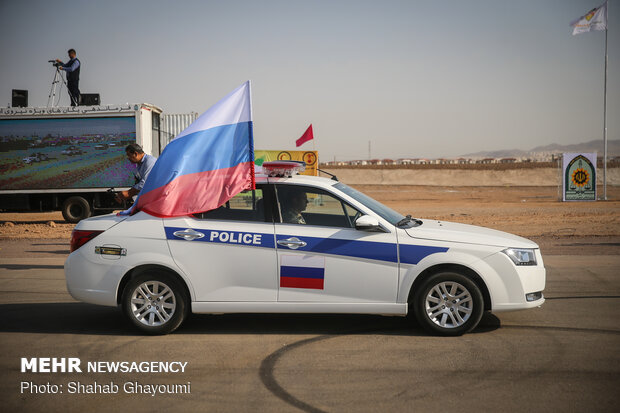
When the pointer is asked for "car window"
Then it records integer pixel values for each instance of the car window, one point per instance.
(352, 213)
(383, 211)
(312, 206)
(246, 206)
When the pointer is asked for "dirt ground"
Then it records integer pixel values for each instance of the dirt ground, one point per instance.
(532, 212)
(526, 211)
(580, 228)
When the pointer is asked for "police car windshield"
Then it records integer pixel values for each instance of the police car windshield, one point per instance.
(384, 212)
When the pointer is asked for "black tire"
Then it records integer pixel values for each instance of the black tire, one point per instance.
(75, 209)
(448, 304)
(159, 316)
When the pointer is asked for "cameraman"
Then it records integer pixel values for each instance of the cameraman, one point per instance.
(72, 67)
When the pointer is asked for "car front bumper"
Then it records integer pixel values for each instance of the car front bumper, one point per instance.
(509, 285)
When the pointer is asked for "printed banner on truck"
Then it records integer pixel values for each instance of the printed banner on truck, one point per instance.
(66, 153)
(311, 158)
(579, 176)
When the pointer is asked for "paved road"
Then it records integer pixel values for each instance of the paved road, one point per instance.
(561, 357)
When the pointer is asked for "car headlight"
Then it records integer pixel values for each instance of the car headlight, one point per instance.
(521, 256)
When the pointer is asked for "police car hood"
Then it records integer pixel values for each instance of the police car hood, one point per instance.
(469, 234)
(100, 223)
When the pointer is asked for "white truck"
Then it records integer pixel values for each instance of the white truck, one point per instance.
(72, 158)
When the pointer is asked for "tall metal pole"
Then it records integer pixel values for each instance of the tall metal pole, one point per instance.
(605, 116)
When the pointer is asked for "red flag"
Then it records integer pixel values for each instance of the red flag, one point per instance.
(307, 136)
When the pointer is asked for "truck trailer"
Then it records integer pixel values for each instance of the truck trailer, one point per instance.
(72, 159)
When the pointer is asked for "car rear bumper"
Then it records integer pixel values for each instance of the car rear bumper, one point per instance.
(90, 282)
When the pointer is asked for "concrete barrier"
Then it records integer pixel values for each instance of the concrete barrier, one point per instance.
(462, 177)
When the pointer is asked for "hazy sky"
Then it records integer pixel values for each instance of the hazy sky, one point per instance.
(417, 78)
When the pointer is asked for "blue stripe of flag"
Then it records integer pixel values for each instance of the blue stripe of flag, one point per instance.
(301, 272)
(202, 151)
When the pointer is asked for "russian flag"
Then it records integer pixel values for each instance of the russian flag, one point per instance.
(297, 271)
(205, 165)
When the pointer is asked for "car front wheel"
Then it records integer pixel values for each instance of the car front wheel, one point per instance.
(155, 302)
(448, 304)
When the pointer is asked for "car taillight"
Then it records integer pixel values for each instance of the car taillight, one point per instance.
(79, 238)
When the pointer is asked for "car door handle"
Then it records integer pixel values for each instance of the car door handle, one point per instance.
(188, 234)
(293, 243)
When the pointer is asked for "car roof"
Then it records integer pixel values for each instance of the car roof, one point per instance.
(298, 179)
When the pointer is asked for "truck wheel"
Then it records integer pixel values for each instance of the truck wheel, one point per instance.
(75, 209)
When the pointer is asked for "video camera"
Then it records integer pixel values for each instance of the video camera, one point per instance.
(54, 63)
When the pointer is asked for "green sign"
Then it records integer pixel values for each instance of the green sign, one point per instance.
(579, 177)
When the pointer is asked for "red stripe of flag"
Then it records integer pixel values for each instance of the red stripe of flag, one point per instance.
(294, 282)
(307, 136)
(197, 192)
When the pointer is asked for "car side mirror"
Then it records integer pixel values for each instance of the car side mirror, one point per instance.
(368, 223)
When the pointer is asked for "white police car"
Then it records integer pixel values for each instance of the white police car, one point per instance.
(301, 244)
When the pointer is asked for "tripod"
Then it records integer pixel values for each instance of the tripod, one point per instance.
(57, 83)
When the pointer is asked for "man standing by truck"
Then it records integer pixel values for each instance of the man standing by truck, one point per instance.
(144, 162)
(72, 67)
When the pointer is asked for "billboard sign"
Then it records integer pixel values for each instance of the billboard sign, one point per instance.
(311, 158)
(66, 153)
(579, 176)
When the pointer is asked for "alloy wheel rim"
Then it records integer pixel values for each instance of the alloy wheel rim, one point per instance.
(448, 304)
(153, 303)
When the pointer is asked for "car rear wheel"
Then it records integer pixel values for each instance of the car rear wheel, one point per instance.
(448, 304)
(155, 302)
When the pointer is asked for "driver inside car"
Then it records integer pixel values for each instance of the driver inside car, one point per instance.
(293, 203)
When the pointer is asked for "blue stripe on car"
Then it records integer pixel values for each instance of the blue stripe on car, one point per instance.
(413, 254)
(253, 239)
(379, 251)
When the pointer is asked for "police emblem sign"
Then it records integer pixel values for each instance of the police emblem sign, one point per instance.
(579, 176)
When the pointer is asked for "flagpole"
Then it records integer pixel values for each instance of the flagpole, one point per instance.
(251, 136)
(605, 113)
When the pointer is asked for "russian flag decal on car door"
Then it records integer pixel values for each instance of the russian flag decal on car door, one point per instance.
(298, 271)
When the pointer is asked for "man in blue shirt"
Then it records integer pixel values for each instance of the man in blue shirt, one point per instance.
(145, 163)
(72, 67)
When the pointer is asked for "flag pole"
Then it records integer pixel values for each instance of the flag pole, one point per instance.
(251, 135)
(605, 112)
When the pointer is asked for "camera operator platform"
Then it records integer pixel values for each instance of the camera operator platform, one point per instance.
(72, 68)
